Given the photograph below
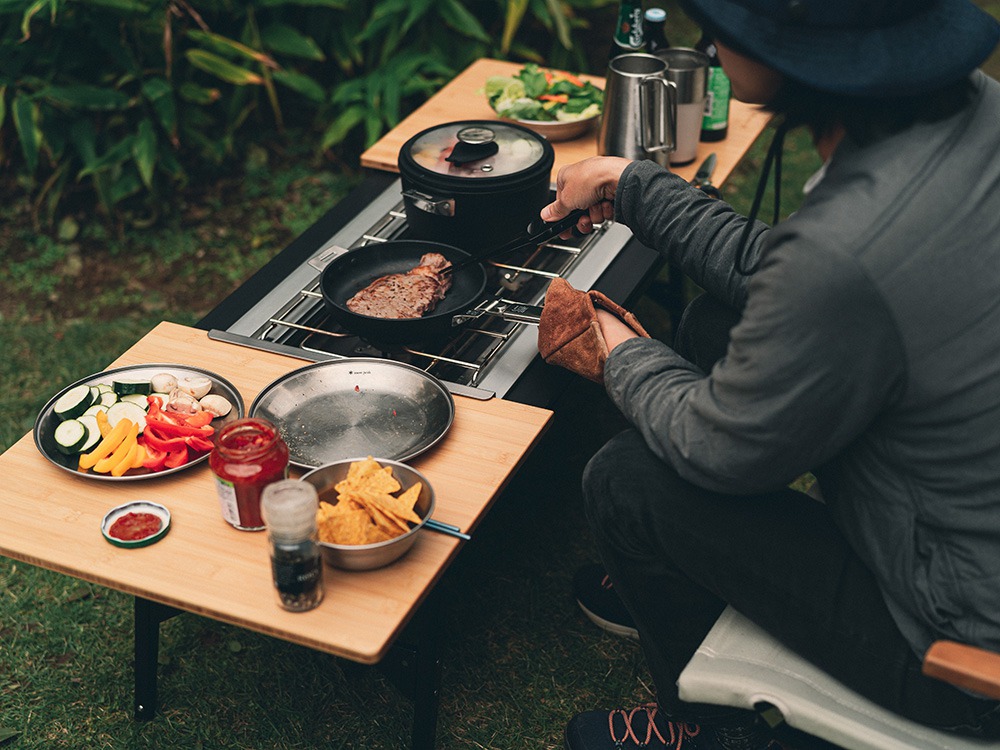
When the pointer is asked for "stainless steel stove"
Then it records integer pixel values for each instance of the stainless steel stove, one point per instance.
(484, 358)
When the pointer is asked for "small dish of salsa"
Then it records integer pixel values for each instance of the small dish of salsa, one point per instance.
(135, 524)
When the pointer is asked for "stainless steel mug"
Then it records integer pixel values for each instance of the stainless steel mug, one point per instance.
(640, 106)
(688, 69)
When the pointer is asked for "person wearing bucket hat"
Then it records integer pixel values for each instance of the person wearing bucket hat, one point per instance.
(856, 343)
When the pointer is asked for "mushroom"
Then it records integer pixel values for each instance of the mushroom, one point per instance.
(164, 382)
(197, 385)
(182, 402)
(216, 405)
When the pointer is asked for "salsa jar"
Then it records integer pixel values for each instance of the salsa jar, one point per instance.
(248, 455)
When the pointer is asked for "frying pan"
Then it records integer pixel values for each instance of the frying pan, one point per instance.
(357, 268)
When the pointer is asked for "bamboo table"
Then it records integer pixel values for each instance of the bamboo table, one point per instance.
(51, 518)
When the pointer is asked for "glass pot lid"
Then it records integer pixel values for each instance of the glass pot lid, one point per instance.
(477, 149)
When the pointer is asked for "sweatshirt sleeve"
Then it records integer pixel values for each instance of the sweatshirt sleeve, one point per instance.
(814, 358)
(698, 233)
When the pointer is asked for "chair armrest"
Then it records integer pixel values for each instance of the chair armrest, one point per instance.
(963, 666)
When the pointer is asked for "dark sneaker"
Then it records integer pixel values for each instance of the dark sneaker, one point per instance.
(644, 727)
(596, 596)
(640, 727)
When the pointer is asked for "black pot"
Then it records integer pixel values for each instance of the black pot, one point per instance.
(475, 183)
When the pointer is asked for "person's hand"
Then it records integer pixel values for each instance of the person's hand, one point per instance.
(613, 329)
(589, 184)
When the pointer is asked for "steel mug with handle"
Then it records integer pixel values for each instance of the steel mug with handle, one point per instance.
(639, 120)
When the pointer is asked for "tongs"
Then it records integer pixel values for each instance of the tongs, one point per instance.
(537, 233)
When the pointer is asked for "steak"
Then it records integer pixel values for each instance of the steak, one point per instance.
(404, 295)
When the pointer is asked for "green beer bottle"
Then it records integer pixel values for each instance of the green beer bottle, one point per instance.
(628, 33)
(715, 124)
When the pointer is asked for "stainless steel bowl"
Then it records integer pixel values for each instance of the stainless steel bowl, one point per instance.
(371, 556)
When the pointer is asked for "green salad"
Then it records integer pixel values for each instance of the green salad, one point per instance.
(543, 95)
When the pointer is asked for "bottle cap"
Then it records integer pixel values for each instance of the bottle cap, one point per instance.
(656, 15)
(289, 508)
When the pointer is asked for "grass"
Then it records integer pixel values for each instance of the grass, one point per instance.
(518, 658)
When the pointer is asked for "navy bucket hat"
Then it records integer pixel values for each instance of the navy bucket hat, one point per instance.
(867, 48)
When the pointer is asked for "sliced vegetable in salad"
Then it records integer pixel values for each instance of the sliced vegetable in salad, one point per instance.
(542, 95)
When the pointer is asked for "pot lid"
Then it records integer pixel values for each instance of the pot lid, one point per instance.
(477, 149)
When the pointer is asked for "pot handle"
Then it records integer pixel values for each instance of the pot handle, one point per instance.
(430, 204)
(512, 311)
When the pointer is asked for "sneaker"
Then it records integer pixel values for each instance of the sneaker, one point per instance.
(596, 596)
(644, 727)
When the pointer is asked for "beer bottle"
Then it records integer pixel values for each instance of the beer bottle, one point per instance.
(715, 123)
(628, 33)
(653, 29)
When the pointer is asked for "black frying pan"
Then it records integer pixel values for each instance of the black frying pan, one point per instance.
(355, 269)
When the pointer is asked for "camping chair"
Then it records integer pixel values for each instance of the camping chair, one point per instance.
(738, 664)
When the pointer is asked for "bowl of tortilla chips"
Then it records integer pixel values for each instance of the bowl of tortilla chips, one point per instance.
(370, 510)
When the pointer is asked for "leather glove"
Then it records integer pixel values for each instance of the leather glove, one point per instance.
(569, 334)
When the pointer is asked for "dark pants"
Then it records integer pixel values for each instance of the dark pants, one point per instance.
(678, 554)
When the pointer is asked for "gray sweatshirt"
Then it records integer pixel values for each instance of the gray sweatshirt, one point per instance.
(868, 353)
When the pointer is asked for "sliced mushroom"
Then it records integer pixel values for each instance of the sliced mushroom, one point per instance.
(182, 402)
(197, 385)
(216, 405)
(164, 382)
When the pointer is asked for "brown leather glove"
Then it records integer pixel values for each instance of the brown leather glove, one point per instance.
(569, 334)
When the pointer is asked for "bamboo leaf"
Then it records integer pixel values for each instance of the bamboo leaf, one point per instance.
(560, 22)
(196, 94)
(24, 123)
(84, 97)
(287, 40)
(127, 6)
(512, 21)
(230, 47)
(343, 125)
(222, 69)
(124, 185)
(158, 93)
(333, 4)
(458, 17)
(144, 152)
(29, 13)
(301, 84)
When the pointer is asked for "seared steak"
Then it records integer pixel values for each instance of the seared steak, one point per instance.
(404, 295)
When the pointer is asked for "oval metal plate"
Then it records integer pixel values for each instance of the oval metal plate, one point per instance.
(358, 406)
(45, 423)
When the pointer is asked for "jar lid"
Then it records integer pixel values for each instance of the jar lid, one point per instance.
(289, 508)
(476, 149)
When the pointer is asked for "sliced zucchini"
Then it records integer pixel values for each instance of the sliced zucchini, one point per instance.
(93, 432)
(124, 387)
(103, 387)
(92, 411)
(73, 402)
(71, 435)
(127, 410)
(137, 398)
(96, 393)
(108, 398)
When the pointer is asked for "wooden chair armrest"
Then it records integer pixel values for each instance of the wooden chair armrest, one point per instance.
(964, 666)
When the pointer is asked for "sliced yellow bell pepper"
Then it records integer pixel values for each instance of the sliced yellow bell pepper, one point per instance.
(107, 464)
(140, 455)
(102, 423)
(126, 463)
(104, 449)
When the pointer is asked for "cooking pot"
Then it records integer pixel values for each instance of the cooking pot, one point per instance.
(474, 183)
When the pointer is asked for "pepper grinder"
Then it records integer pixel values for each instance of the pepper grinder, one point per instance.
(289, 508)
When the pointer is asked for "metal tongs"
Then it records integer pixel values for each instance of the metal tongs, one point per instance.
(537, 233)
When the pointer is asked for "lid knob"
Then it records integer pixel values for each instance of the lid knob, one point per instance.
(474, 143)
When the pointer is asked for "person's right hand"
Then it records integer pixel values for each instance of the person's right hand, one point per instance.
(589, 184)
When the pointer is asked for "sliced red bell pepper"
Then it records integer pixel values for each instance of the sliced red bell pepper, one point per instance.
(199, 418)
(176, 458)
(152, 437)
(199, 444)
(155, 459)
(172, 429)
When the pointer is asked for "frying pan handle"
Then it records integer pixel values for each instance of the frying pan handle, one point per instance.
(515, 312)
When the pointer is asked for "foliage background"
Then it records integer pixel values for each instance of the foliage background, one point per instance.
(83, 276)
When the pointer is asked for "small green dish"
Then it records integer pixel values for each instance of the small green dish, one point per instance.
(138, 506)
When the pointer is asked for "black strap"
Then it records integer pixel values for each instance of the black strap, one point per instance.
(773, 157)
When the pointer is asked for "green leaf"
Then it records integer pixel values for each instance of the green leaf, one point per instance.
(3, 105)
(144, 151)
(7, 734)
(335, 4)
(301, 84)
(512, 21)
(343, 125)
(127, 6)
(159, 94)
(84, 97)
(230, 47)
(24, 122)
(456, 16)
(196, 94)
(287, 40)
(559, 19)
(222, 69)
(123, 186)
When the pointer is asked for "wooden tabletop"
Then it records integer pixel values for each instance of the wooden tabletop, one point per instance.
(462, 99)
(51, 517)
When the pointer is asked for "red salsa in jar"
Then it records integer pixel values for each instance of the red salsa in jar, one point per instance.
(132, 527)
(248, 455)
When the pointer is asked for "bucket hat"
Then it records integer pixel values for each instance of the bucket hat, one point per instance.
(868, 48)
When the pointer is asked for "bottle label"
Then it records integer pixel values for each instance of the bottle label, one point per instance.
(296, 575)
(227, 501)
(628, 35)
(717, 102)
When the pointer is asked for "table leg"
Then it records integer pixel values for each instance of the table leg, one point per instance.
(148, 616)
(413, 665)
